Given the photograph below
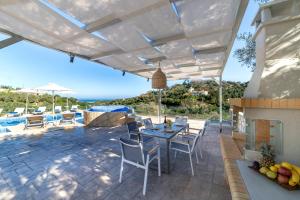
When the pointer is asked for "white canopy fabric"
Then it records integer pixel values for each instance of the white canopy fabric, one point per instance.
(28, 91)
(191, 38)
(52, 87)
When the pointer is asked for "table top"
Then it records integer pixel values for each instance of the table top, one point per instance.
(160, 132)
(260, 187)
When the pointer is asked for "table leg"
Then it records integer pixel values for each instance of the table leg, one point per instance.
(168, 156)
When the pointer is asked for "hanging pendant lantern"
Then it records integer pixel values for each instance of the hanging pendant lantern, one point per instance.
(159, 80)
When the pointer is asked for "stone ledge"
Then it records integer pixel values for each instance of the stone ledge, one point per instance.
(231, 153)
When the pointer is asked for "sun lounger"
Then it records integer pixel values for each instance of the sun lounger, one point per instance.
(68, 118)
(17, 112)
(74, 108)
(57, 109)
(39, 111)
(35, 120)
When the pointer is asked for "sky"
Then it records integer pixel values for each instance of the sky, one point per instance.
(28, 65)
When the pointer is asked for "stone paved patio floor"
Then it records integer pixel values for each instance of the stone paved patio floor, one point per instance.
(83, 163)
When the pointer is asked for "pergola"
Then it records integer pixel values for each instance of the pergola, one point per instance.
(191, 39)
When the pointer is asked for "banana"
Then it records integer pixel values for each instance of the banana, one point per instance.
(292, 183)
(295, 176)
(286, 165)
(277, 166)
(296, 168)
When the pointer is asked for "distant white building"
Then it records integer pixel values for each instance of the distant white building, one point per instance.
(196, 92)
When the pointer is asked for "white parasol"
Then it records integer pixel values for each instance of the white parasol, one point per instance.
(52, 87)
(27, 91)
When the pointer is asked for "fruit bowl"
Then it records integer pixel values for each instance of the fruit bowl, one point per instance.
(286, 186)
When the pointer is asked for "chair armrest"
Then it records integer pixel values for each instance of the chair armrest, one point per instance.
(153, 150)
(186, 138)
(180, 142)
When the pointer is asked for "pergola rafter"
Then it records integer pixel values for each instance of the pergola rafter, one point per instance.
(131, 35)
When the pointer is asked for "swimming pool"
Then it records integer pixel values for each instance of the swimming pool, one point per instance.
(112, 108)
(13, 121)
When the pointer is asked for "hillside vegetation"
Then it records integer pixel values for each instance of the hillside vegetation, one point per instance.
(195, 99)
(10, 99)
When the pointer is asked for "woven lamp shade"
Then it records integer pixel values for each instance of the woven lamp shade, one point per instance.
(159, 80)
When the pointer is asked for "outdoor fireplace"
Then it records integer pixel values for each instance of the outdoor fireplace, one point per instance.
(271, 103)
(260, 131)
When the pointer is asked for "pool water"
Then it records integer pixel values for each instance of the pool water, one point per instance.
(13, 121)
(111, 108)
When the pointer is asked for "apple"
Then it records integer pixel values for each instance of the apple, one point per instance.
(284, 171)
(283, 179)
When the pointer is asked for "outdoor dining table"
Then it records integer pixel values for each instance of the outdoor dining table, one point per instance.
(159, 131)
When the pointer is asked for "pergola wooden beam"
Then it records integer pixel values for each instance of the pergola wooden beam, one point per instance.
(161, 41)
(210, 50)
(9, 41)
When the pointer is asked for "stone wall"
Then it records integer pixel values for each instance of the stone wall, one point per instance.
(104, 119)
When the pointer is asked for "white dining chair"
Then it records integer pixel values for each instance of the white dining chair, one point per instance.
(134, 133)
(188, 144)
(133, 153)
(182, 121)
(148, 123)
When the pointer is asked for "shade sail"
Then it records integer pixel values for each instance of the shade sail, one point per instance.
(191, 38)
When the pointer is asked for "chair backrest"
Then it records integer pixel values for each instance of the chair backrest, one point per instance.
(132, 151)
(1, 109)
(206, 123)
(148, 123)
(132, 127)
(195, 141)
(42, 109)
(201, 132)
(19, 110)
(68, 116)
(35, 119)
(181, 120)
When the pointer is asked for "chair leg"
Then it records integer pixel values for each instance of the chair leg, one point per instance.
(196, 156)
(158, 162)
(201, 155)
(145, 179)
(121, 172)
(200, 149)
(190, 154)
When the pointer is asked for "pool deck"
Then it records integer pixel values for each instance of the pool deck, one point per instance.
(82, 163)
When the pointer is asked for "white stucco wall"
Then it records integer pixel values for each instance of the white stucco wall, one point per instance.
(281, 75)
(291, 130)
(277, 75)
(252, 91)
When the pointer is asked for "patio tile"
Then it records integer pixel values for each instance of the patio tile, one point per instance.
(219, 192)
(85, 164)
(5, 162)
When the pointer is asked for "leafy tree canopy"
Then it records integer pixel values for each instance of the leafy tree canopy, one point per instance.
(246, 54)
